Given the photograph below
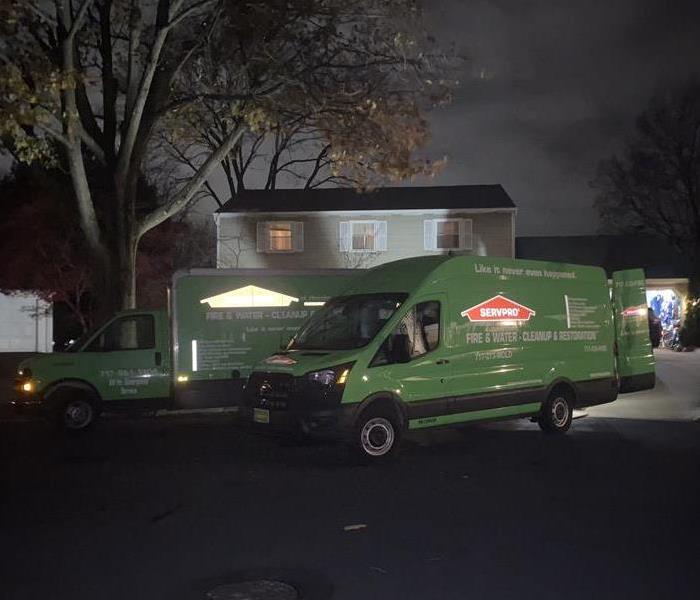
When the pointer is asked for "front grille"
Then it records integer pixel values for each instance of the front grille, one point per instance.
(271, 386)
(281, 391)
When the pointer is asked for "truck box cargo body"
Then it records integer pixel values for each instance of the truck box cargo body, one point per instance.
(197, 355)
(225, 321)
(442, 340)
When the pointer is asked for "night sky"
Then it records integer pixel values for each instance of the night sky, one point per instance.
(551, 87)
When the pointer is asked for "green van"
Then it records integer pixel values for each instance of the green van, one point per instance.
(434, 341)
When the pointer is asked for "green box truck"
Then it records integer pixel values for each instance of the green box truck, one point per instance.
(197, 354)
(433, 341)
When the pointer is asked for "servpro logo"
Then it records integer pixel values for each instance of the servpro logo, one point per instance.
(280, 359)
(498, 308)
(635, 311)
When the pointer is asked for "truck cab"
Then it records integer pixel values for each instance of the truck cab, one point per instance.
(123, 364)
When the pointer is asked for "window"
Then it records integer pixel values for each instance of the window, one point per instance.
(126, 333)
(280, 236)
(447, 234)
(347, 322)
(363, 236)
(417, 334)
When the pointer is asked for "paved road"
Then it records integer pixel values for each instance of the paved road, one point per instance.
(171, 507)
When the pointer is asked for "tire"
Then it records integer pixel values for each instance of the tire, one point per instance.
(75, 410)
(377, 435)
(557, 412)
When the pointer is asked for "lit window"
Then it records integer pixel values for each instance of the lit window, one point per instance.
(280, 236)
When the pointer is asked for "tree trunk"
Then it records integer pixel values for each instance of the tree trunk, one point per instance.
(127, 273)
(117, 279)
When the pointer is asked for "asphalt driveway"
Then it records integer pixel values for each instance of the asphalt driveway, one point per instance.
(172, 507)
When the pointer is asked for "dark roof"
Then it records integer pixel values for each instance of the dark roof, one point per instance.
(612, 252)
(388, 198)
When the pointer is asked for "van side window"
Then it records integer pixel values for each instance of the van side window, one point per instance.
(417, 334)
(127, 333)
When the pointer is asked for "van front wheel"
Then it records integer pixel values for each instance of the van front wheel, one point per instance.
(75, 411)
(377, 435)
(557, 412)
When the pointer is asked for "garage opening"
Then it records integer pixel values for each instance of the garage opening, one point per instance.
(666, 304)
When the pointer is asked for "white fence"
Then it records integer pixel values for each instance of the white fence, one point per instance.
(26, 323)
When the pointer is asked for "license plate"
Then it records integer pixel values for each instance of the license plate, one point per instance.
(261, 415)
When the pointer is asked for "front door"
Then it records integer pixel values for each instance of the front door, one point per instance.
(412, 362)
(130, 365)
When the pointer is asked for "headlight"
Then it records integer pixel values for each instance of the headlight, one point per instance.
(25, 373)
(325, 377)
(28, 386)
(337, 375)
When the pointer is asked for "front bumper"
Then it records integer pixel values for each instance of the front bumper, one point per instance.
(334, 423)
(27, 404)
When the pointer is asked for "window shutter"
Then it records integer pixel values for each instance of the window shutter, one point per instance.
(380, 231)
(298, 236)
(430, 234)
(465, 234)
(345, 240)
(262, 237)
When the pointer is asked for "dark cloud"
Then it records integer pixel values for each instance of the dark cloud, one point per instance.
(549, 89)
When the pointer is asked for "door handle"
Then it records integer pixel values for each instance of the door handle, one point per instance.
(442, 361)
(159, 359)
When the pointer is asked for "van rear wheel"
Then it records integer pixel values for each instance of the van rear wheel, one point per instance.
(557, 412)
(376, 436)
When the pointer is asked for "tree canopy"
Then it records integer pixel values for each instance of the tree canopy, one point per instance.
(106, 81)
(653, 186)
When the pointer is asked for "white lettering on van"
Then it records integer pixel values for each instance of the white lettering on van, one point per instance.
(493, 354)
(504, 337)
(499, 312)
(479, 268)
(537, 336)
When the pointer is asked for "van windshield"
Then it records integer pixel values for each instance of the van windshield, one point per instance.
(347, 322)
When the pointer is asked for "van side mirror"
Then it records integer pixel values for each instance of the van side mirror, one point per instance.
(400, 351)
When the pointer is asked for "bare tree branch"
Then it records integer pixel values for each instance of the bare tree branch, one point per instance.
(185, 195)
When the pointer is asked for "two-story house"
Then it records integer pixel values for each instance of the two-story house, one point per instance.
(341, 228)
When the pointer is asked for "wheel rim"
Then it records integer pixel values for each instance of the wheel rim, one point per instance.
(77, 414)
(377, 436)
(560, 412)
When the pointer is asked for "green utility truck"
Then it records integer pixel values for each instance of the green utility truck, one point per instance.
(198, 354)
(433, 341)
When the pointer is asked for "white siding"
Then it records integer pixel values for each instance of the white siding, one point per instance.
(327, 238)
